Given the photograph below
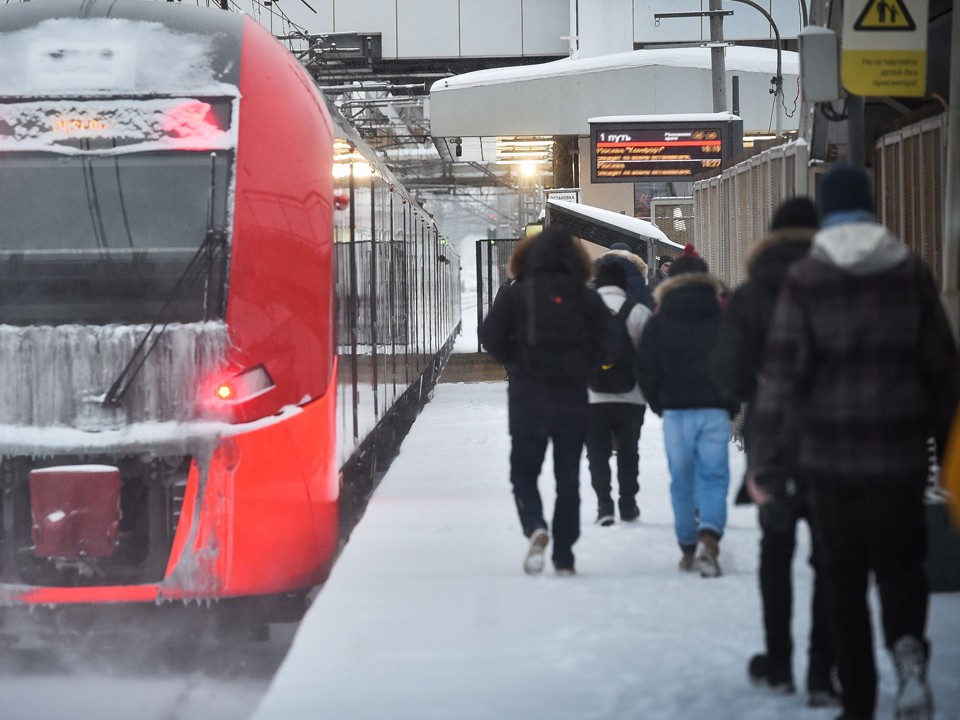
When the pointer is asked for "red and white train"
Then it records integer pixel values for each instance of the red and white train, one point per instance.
(175, 257)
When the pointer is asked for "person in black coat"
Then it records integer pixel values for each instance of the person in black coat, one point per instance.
(551, 330)
(735, 365)
(661, 273)
(674, 377)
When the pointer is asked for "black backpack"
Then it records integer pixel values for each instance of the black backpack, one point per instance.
(619, 376)
(554, 340)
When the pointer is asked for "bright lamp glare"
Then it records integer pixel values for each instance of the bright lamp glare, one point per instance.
(528, 169)
(225, 391)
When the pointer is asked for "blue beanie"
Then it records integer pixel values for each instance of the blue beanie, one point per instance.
(844, 187)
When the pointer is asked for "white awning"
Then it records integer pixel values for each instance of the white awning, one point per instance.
(559, 98)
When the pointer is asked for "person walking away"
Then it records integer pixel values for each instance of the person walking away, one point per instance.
(635, 269)
(781, 495)
(673, 371)
(616, 405)
(550, 329)
(860, 370)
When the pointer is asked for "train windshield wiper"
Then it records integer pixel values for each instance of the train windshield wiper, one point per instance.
(214, 241)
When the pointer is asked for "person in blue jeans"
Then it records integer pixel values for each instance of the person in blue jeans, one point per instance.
(674, 375)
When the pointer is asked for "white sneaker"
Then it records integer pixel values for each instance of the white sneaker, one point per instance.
(914, 700)
(534, 561)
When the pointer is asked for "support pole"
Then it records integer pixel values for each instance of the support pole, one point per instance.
(951, 204)
(777, 79)
(856, 145)
(717, 62)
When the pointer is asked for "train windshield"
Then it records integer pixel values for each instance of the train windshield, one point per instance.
(102, 214)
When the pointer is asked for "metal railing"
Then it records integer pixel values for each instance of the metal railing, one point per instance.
(732, 210)
(909, 178)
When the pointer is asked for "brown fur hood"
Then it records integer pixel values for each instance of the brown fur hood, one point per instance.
(781, 236)
(677, 281)
(518, 258)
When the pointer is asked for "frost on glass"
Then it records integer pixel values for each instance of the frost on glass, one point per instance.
(48, 374)
(72, 57)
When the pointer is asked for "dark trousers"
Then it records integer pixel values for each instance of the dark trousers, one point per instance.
(876, 529)
(777, 545)
(620, 423)
(526, 458)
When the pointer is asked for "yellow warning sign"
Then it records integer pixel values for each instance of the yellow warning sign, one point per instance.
(884, 47)
(885, 15)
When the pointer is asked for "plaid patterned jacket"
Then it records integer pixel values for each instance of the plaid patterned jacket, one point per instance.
(860, 363)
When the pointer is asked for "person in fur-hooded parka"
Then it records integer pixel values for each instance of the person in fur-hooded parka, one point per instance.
(547, 389)
(735, 365)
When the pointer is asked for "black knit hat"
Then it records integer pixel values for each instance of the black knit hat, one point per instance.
(798, 212)
(844, 187)
(689, 262)
(611, 273)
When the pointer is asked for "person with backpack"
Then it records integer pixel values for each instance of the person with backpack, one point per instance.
(635, 269)
(617, 406)
(673, 370)
(551, 329)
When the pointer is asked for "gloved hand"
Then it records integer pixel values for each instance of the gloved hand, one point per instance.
(776, 512)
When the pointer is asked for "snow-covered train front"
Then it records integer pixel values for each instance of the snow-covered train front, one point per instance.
(167, 358)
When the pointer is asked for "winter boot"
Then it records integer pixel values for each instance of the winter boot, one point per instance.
(775, 676)
(605, 516)
(914, 700)
(708, 548)
(821, 688)
(686, 560)
(533, 563)
(629, 512)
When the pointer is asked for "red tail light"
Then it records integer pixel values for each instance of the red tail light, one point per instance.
(244, 386)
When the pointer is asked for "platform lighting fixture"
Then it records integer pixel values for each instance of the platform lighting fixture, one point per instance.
(529, 168)
(524, 150)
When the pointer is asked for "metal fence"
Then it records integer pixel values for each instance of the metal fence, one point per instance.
(732, 210)
(492, 258)
(909, 178)
(675, 217)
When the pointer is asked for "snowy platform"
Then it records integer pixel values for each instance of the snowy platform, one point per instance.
(428, 614)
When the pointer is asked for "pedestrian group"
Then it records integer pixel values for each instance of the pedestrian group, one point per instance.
(839, 352)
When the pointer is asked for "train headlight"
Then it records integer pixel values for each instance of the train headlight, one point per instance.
(245, 385)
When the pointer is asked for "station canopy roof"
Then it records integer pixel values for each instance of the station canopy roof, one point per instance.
(605, 227)
(559, 98)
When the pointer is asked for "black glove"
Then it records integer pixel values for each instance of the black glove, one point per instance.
(778, 515)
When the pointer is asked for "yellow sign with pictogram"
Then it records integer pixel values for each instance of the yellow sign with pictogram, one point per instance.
(885, 15)
(885, 47)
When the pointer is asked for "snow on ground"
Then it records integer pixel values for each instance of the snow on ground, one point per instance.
(429, 615)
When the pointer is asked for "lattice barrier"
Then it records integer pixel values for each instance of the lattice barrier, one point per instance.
(675, 216)
(909, 179)
(732, 210)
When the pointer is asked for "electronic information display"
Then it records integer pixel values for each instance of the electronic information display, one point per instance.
(663, 151)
